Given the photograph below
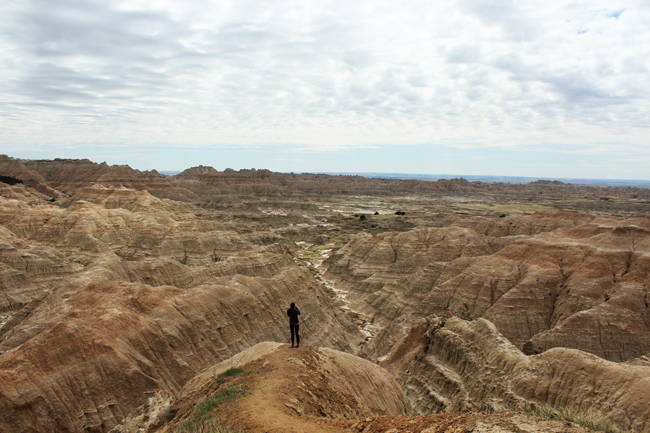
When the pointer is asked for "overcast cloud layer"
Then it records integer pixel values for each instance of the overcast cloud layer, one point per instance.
(554, 76)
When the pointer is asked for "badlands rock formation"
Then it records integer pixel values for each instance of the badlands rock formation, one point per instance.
(290, 385)
(63, 177)
(118, 287)
(451, 365)
(319, 390)
(117, 304)
(94, 350)
(245, 189)
(566, 280)
(13, 171)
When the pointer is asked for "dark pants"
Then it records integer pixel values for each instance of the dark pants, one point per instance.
(294, 329)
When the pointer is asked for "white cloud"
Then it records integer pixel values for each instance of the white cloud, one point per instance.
(326, 74)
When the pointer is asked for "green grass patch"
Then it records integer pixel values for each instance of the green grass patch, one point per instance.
(314, 251)
(203, 408)
(200, 421)
(312, 255)
(338, 240)
(589, 419)
(233, 372)
(320, 247)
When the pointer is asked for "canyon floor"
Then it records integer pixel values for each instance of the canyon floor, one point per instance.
(427, 306)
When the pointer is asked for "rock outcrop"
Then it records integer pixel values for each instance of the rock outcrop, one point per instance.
(211, 188)
(447, 364)
(14, 169)
(574, 281)
(43, 244)
(125, 198)
(67, 176)
(317, 390)
(97, 347)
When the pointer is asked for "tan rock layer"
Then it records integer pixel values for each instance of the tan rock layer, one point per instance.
(320, 390)
(578, 282)
(208, 186)
(42, 245)
(289, 388)
(449, 365)
(115, 343)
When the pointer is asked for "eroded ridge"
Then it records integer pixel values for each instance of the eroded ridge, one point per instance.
(577, 281)
(321, 390)
(447, 364)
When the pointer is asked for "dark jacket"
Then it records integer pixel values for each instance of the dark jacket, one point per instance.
(293, 316)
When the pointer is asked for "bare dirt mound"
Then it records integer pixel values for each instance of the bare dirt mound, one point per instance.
(289, 389)
(321, 390)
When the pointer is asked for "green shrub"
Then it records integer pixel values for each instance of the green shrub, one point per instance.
(329, 292)
(232, 372)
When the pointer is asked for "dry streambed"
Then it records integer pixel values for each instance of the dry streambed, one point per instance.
(312, 256)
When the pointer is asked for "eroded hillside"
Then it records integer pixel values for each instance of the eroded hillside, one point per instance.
(560, 280)
(120, 287)
(104, 305)
(319, 390)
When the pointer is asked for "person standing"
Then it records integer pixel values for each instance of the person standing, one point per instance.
(294, 325)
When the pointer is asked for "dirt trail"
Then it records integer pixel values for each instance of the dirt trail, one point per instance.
(268, 407)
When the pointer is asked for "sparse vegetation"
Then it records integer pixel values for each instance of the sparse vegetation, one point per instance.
(313, 252)
(353, 314)
(329, 292)
(413, 214)
(200, 420)
(9, 180)
(211, 426)
(588, 419)
(232, 372)
(510, 208)
(203, 408)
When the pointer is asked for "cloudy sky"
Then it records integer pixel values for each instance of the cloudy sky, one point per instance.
(483, 87)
